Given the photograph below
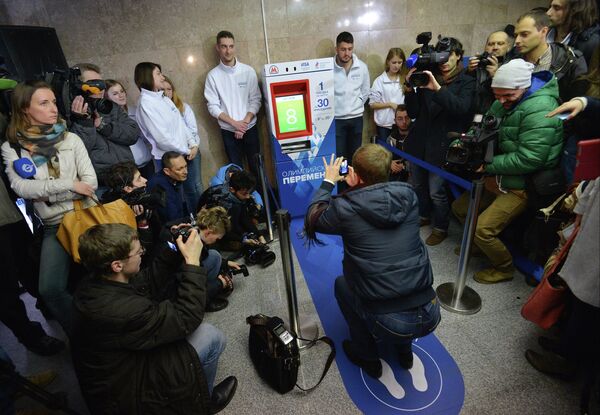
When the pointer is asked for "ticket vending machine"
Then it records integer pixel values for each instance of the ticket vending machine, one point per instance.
(299, 103)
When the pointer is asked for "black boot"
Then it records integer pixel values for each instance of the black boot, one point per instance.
(551, 364)
(222, 394)
(371, 366)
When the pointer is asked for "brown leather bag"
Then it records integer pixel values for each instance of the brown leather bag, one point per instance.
(76, 222)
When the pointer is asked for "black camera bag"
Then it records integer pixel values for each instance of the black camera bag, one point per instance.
(277, 363)
(544, 186)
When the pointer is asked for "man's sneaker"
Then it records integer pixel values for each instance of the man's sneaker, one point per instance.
(45, 345)
(552, 365)
(494, 275)
(424, 221)
(372, 367)
(436, 237)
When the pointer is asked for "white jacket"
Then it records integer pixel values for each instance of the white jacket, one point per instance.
(234, 91)
(75, 164)
(386, 90)
(190, 121)
(351, 90)
(162, 124)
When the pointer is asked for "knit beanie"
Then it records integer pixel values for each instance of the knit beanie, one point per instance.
(515, 74)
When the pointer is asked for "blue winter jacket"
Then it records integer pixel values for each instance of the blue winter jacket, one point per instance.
(385, 261)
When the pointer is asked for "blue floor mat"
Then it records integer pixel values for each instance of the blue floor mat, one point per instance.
(433, 387)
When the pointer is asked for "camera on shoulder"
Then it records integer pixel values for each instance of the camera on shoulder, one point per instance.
(428, 58)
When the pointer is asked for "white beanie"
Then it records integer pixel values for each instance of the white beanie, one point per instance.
(515, 74)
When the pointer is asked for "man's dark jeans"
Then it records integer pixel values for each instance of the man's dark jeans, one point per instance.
(399, 328)
(249, 146)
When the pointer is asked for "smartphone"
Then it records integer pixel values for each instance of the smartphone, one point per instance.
(344, 168)
(562, 116)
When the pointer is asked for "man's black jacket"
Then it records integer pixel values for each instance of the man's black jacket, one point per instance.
(129, 343)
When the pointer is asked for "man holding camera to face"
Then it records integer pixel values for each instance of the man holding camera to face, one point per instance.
(137, 348)
(386, 289)
(483, 67)
(105, 129)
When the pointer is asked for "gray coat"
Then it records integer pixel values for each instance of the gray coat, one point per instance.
(581, 270)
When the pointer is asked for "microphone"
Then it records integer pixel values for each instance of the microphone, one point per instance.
(24, 167)
(412, 60)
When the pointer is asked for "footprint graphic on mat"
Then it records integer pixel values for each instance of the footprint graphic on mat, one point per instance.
(417, 374)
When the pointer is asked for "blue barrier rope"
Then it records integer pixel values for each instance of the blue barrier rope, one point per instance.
(465, 184)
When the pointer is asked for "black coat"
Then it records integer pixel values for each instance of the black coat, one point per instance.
(129, 342)
(437, 114)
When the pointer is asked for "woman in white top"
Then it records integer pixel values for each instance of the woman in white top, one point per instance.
(116, 92)
(159, 119)
(49, 165)
(193, 185)
(386, 93)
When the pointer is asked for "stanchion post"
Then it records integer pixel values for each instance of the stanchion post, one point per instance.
(283, 225)
(265, 193)
(456, 296)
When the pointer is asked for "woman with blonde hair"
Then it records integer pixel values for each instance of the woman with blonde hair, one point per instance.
(386, 92)
(193, 185)
(49, 165)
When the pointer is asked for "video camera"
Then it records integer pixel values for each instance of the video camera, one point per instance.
(86, 89)
(139, 196)
(472, 149)
(428, 58)
(257, 253)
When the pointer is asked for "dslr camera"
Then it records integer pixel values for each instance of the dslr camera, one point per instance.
(472, 149)
(484, 60)
(86, 89)
(227, 270)
(184, 231)
(428, 58)
(149, 201)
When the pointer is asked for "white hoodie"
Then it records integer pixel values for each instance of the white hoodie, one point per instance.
(232, 90)
(162, 124)
(351, 90)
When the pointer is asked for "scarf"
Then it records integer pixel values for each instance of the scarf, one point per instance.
(41, 141)
(451, 76)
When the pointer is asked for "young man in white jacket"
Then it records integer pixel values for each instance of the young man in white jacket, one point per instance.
(233, 98)
(352, 87)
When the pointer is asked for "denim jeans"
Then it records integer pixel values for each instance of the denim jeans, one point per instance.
(209, 342)
(433, 200)
(212, 266)
(383, 133)
(192, 187)
(348, 136)
(399, 328)
(249, 146)
(55, 264)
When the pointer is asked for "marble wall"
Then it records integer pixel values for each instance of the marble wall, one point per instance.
(179, 34)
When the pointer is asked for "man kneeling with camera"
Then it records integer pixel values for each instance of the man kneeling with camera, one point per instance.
(136, 347)
(386, 290)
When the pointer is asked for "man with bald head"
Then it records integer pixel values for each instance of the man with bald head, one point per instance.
(497, 45)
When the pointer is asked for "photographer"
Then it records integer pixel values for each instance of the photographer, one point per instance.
(396, 139)
(386, 289)
(440, 106)
(106, 135)
(528, 143)
(483, 67)
(126, 327)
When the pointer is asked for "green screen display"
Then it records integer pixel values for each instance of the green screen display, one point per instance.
(290, 113)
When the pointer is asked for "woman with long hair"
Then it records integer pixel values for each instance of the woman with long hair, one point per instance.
(386, 92)
(49, 165)
(193, 185)
(116, 92)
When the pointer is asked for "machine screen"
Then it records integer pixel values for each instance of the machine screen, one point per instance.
(290, 113)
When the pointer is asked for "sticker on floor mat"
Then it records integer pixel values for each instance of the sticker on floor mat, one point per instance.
(434, 385)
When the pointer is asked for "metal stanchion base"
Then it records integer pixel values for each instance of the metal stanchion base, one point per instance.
(469, 303)
(309, 331)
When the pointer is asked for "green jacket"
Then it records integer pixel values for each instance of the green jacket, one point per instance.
(528, 141)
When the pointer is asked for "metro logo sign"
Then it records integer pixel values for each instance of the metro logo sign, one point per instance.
(273, 70)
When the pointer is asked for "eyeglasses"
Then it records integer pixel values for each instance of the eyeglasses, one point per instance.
(140, 253)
